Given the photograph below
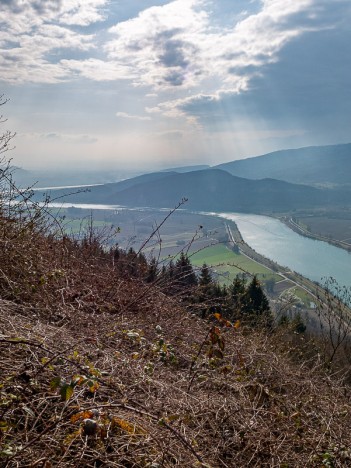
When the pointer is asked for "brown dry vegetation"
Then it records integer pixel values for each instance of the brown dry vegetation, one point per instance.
(99, 368)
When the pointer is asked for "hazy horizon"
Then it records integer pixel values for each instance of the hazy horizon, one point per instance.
(153, 84)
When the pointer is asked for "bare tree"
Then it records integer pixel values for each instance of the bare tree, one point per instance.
(7, 136)
(333, 309)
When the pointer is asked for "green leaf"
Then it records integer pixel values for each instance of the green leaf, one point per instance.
(66, 392)
(55, 383)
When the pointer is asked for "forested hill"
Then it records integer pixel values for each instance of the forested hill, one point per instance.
(315, 165)
(209, 190)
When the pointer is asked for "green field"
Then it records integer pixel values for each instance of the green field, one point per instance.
(228, 264)
(304, 296)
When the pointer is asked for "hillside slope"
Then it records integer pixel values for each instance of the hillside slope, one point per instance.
(148, 405)
(100, 368)
(209, 190)
(317, 165)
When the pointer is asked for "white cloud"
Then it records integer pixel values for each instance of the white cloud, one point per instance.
(124, 115)
(35, 33)
(96, 69)
(59, 137)
(175, 46)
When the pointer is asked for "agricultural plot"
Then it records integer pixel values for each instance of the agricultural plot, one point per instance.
(182, 230)
(227, 264)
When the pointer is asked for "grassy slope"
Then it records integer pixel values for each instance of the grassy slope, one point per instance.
(223, 259)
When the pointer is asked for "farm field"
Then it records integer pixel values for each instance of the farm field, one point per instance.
(203, 237)
(227, 264)
(302, 296)
(182, 230)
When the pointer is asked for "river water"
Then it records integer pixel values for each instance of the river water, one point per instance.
(313, 259)
(316, 260)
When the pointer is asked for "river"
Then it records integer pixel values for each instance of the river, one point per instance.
(313, 259)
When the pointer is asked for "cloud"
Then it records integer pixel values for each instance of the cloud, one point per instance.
(35, 32)
(176, 47)
(242, 62)
(63, 138)
(260, 65)
(124, 115)
(159, 44)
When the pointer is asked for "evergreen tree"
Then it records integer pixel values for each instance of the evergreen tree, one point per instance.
(205, 278)
(184, 271)
(152, 271)
(237, 291)
(255, 302)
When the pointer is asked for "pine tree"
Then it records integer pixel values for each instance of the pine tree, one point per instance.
(237, 291)
(255, 302)
(205, 278)
(152, 271)
(185, 274)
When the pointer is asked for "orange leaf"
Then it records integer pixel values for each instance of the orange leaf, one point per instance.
(128, 427)
(81, 415)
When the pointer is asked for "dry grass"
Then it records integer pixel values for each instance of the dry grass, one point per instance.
(100, 369)
(251, 408)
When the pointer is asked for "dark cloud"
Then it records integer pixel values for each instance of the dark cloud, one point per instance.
(243, 70)
(173, 55)
(40, 6)
(175, 78)
(43, 6)
(309, 87)
(322, 14)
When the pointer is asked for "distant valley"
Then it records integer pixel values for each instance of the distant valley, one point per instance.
(318, 179)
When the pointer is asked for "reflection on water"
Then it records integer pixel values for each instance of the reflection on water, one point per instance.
(311, 258)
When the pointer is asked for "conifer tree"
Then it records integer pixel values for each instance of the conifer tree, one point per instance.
(205, 278)
(151, 271)
(185, 274)
(255, 302)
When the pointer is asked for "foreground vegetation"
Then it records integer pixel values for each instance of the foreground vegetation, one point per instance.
(106, 362)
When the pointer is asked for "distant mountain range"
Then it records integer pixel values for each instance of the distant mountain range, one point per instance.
(198, 167)
(208, 190)
(313, 177)
(314, 165)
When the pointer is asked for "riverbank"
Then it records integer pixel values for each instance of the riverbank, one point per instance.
(290, 223)
(294, 278)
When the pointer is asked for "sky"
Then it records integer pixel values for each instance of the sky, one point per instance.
(144, 84)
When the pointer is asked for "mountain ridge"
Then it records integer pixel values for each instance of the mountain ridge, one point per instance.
(311, 165)
(208, 190)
